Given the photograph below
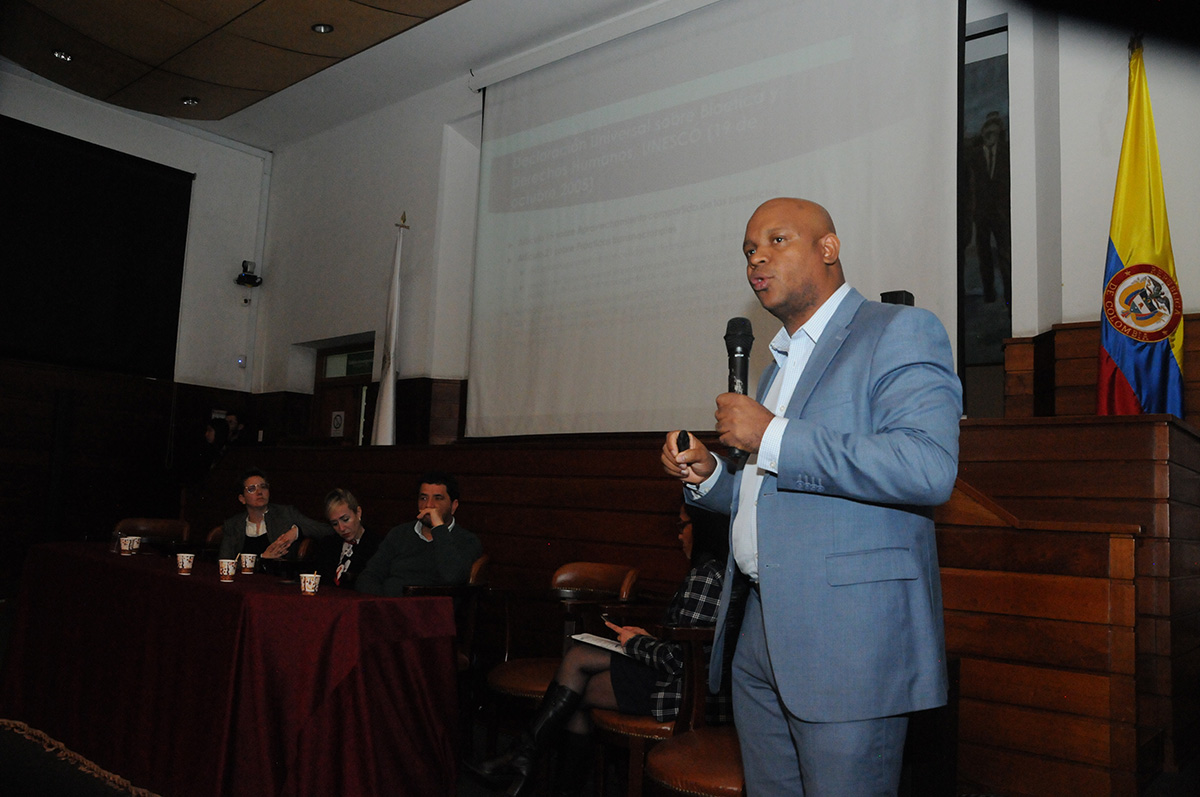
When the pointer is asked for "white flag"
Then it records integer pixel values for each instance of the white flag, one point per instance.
(383, 433)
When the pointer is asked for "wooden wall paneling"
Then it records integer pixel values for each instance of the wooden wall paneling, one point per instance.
(1183, 485)
(1018, 355)
(1180, 440)
(1074, 352)
(1153, 635)
(1085, 600)
(1073, 738)
(1086, 694)
(1065, 440)
(981, 548)
(1183, 596)
(448, 411)
(1042, 618)
(1075, 479)
(1077, 372)
(1029, 376)
(1048, 643)
(1019, 382)
(1076, 348)
(1018, 396)
(1139, 469)
(1150, 514)
(1077, 341)
(1184, 632)
(1014, 773)
(1078, 400)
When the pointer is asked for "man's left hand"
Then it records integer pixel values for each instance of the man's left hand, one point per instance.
(741, 421)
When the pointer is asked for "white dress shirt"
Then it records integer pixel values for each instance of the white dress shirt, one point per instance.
(791, 355)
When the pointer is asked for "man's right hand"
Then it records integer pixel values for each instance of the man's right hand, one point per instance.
(692, 465)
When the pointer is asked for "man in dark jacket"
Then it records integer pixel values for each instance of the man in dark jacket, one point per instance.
(432, 550)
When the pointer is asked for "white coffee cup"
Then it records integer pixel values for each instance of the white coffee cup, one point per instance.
(226, 568)
(309, 582)
(184, 563)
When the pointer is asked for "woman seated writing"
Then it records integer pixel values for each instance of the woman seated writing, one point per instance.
(647, 681)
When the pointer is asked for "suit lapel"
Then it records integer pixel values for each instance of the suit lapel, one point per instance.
(827, 347)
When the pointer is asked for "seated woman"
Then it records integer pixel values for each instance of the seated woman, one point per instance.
(647, 681)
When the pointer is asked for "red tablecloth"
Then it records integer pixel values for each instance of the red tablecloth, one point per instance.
(187, 686)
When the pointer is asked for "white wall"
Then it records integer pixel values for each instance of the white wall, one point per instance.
(1094, 64)
(335, 199)
(1068, 84)
(223, 229)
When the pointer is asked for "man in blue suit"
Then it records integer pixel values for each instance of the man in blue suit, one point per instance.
(853, 441)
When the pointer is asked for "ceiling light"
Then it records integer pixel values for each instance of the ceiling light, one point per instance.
(190, 100)
(321, 27)
(62, 55)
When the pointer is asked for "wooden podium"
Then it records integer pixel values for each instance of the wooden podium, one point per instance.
(1069, 557)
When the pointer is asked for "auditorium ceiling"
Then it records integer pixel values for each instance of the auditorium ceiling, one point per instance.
(257, 72)
(196, 59)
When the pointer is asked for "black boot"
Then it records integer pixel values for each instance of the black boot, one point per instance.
(574, 765)
(516, 765)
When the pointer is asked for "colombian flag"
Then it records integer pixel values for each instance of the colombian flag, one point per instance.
(1141, 334)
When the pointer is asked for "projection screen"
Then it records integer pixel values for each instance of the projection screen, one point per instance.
(616, 185)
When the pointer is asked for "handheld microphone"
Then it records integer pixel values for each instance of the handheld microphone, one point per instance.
(739, 337)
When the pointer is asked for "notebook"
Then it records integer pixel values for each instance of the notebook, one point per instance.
(601, 642)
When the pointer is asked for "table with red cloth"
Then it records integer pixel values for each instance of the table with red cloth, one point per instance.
(188, 686)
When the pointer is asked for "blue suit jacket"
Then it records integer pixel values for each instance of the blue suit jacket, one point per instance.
(848, 571)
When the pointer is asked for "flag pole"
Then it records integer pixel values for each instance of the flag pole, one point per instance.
(383, 431)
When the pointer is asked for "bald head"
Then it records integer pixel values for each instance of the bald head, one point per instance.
(816, 216)
(792, 258)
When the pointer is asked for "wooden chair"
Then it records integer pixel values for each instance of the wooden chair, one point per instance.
(577, 585)
(466, 615)
(634, 733)
(697, 759)
(212, 542)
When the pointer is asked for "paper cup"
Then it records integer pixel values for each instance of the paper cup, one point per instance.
(309, 582)
(184, 563)
(129, 545)
(248, 560)
(226, 568)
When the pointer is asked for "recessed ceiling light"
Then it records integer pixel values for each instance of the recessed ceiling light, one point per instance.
(190, 100)
(321, 27)
(62, 55)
